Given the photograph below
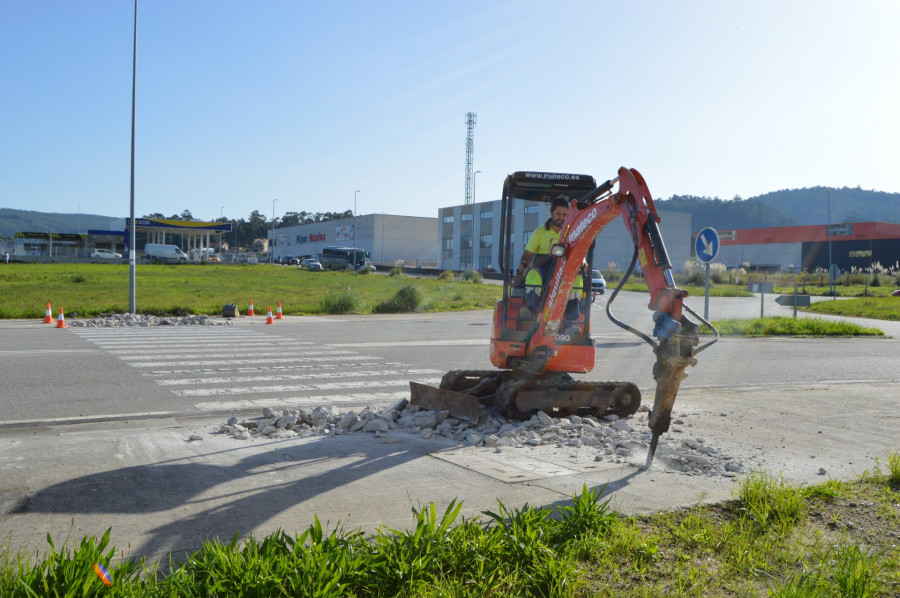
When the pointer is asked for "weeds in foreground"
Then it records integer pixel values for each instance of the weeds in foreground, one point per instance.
(764, 542)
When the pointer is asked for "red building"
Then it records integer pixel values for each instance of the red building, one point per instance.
(853, 245)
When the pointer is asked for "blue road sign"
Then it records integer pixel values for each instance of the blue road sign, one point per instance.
(707, 245)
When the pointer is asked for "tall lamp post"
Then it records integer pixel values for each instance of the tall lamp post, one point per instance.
(272, 254)
(132, 235)
(355, 194)
(830, 264)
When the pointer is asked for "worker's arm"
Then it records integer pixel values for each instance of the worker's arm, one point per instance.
(526, 259)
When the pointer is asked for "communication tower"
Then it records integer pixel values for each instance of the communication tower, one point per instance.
(470, 155)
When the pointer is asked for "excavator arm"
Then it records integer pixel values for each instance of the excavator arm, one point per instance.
(677, 336)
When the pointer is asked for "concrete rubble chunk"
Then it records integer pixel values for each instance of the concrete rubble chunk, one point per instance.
(622, 424)
(544, 419)
(286, 421)
(376, 425)
(347, 420)
(425, 420)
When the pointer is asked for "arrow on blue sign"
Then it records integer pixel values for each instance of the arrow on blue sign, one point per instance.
(707, 245)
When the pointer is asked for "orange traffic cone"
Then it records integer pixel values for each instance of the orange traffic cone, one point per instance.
(48, 318)
(61, 322)
(269, 320)
(250, 311)
(278, 315)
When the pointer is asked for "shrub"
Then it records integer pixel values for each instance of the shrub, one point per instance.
(396, 271)
(342, 302)
(362, 271)
(472, 276)
(447, 275)
(406, 300)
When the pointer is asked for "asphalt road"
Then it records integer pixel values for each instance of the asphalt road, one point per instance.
(51, 375)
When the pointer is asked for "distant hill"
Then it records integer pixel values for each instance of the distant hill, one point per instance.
(13, 221)
(788, 207)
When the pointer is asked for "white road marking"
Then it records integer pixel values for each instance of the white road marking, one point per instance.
(433, 343)
(274, 368)
(202, 392)
(278, 377)
(369, 398)
(260, 359)
(207, 355)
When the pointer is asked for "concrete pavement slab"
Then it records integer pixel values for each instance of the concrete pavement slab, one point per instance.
(162, 492)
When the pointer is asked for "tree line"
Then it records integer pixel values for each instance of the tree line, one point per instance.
(788, 207)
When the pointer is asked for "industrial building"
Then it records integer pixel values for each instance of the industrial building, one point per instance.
(470, 236)
(390, 240)
(856, 245)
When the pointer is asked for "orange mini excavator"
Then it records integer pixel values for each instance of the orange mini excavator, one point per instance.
(542, 324)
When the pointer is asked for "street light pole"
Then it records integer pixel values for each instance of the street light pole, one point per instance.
(830, 265)
(132, 235)
(272, 254)
(355, 194)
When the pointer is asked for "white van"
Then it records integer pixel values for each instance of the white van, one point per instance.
(164, 253)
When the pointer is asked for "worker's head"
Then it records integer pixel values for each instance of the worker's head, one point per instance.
(559, 207)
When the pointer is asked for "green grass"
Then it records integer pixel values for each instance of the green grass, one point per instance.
(694, 291)
(878, 308)
(785, 326)
(92, 289)
(772, 539)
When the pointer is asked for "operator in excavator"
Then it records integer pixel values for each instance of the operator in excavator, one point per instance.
(536, 260)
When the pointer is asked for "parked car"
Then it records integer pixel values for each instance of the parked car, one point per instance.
(314, 265)
(164, 253)
(598, 284)
(106, 254)
(289, 260)
(896, 293)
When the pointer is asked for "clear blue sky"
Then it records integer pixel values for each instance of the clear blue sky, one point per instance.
(239, 103)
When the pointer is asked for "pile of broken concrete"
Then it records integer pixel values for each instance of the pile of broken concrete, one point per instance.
(140, 320)
(612, 439)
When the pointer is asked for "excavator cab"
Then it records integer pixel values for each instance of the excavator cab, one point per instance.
(525, 295)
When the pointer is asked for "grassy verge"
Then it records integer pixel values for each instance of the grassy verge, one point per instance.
(92, 289)
(714, 291)
(879, 308)
(784, 326)
(834, 539)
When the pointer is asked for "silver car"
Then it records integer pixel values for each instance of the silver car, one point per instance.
(106, 254)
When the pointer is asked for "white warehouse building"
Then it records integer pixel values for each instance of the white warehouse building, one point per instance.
(470, 236)
(389, 239)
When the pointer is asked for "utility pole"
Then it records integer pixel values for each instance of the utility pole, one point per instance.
(132, 236)
(471, 118)
(830, 263)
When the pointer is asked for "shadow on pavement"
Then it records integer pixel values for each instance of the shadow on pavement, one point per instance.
(224, 493)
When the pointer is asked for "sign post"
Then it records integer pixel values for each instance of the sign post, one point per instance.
(706, 248)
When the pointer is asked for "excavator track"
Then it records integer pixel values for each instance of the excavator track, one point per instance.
(522, 398)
